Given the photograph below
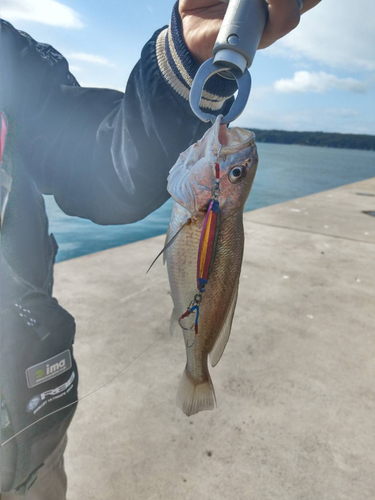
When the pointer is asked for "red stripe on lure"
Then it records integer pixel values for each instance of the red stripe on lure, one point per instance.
(207, 245)
(208, 237)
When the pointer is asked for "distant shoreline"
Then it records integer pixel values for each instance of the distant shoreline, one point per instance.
(323, 139)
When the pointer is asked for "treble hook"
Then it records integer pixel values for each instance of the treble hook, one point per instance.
(187, 313)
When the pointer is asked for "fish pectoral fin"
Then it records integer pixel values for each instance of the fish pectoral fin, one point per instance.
(173, 324)
(222, 340)
(167, 236)
(168, 244)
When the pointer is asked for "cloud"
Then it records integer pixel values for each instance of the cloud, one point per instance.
(337, 34)
(90, 58)
(48, 12)
(305, 81)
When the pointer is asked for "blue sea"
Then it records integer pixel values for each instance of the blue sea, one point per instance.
(285, 172)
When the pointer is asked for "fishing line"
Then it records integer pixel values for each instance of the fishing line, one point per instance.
(83, 397)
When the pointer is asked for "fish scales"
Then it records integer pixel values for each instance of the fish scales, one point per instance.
(191, 184)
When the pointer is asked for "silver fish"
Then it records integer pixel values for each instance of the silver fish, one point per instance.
(191, 183)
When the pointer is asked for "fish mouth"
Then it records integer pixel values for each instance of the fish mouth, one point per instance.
(238, 138)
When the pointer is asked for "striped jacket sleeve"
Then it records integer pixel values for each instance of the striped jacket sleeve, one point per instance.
(179, 68)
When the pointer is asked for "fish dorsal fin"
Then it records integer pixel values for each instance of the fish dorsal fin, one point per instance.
(221, 341)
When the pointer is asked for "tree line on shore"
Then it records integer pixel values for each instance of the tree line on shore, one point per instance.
(323, 139)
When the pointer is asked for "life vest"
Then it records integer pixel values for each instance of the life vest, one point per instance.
(38, 373)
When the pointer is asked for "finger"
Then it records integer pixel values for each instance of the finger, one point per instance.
(284, 16)
(194, 5)
(309, 4)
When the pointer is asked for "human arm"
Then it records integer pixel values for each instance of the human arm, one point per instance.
(103, 154)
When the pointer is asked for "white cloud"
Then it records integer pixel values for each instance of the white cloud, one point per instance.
(90, 58)
(305, 81)
(338, 34)
(48, 12)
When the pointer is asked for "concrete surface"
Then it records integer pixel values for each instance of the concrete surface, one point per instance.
(295, 387)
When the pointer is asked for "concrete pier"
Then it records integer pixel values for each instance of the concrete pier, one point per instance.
(295, 387)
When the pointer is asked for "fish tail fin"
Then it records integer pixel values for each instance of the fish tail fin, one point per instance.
(193, 397)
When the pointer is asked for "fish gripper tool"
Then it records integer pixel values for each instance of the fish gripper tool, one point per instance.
(233, 54)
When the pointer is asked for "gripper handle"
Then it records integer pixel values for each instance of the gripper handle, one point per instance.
(240, 33)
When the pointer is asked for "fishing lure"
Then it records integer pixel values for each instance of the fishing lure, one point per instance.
(206, 252)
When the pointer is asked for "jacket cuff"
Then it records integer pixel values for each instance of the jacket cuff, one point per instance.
(178, 67)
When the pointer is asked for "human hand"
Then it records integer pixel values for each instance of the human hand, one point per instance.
(201, 21)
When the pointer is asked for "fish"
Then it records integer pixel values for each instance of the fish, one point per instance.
(209, 183)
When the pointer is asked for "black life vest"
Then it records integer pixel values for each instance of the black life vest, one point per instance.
(38, 373)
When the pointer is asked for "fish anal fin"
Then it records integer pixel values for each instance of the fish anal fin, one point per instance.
(222, 340)
(193, 397)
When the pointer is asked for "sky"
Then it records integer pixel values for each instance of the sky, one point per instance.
(320, 77)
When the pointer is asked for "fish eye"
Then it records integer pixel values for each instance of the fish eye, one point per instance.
(237, 174)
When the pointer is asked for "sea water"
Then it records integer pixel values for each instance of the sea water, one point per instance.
(285, 172)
